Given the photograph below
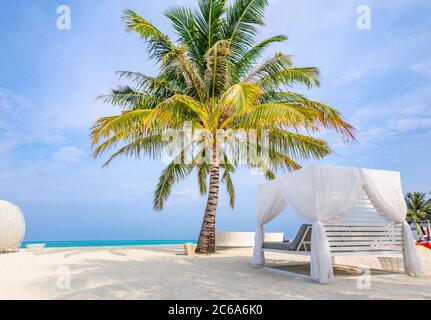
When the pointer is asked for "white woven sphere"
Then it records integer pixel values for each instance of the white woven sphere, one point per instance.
(12, 226)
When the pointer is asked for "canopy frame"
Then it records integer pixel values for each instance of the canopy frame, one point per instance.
(323, 194)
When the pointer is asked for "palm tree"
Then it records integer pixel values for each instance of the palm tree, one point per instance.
(418, 207)
(213, 82)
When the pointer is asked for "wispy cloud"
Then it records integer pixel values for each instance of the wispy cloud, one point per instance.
(187, 193)
(354, 75)
(19, 123)
(423, 68)
(404, 125)
(11, 101)
(68, 154)
(401, 116)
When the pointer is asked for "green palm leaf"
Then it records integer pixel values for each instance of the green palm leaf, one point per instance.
(172, 174)
(250, 58)
(209, 22)
(158, 43)
(241, 23)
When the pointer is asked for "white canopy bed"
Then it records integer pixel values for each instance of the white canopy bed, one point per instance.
(360, 211)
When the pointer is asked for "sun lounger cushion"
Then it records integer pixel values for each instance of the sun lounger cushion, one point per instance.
(291, 245)
(287, 245)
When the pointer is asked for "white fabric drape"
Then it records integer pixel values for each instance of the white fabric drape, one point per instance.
(412, 261)
(321, 260)
(385, 192)
(320, 194)
(270, 203)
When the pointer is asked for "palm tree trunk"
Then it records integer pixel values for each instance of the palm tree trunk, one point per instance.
(206, 243)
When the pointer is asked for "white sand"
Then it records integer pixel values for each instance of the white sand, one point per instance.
(163, 273)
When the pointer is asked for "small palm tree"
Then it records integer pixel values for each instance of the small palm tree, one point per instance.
(213, 83)
(418, 207)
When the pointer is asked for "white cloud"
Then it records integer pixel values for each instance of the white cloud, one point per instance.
(407, 114)
(416, 110)
(138, 187)
(10, 101)
(393, 127)
(411, 103)
(188, 193)
(183, 196)
(20, 124)
(423, 68)
(68, 154)
(375, 133)
(349, 77)
(354, 75)
(403, 125)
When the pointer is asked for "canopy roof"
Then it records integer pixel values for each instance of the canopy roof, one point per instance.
(321, 193)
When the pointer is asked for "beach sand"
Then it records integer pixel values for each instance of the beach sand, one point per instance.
(162, 272)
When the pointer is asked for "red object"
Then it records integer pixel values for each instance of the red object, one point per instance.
(426, 245)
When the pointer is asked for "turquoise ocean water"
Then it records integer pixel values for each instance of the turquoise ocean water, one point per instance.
(106, 243)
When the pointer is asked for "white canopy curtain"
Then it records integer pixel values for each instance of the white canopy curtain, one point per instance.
(319, 194)
(386, 195)
(269, 205)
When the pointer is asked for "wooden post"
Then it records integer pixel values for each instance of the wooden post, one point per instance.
(189, 249)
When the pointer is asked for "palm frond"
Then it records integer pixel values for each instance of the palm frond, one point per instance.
(202, 173)
(239, 99)
(160, 85)
(219, 68)
(298, 146)
(184, 23)
(281, 96)
(128, 121)
(289, 77)
(242, 19)
(249, 59)
(172, 174)
(280, 161)
(209, 23)
(272, 68)
(179, 109)
(149, 146)
(275, 115)
(329, 118)
(127, 98)
(230, 188)
(178, 60)
(158, 43)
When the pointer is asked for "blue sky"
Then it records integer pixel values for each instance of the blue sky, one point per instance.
(49, 79)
